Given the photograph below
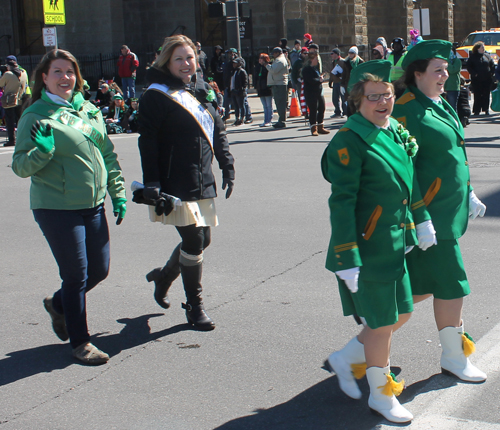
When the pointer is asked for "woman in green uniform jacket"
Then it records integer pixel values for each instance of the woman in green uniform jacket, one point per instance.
(62, 145)
(442, 171)
(369, 164)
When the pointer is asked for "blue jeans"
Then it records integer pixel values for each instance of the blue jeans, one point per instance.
(227, 101)
(128, 86)
(238, 104)
(267, 104)
(337, 97)
(79, 241)
(248, 112)
(452, 98)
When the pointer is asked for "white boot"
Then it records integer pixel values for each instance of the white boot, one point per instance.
(382, 400)
(453, 360)
(346, 363)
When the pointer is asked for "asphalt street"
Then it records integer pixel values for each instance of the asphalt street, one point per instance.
(276, 308)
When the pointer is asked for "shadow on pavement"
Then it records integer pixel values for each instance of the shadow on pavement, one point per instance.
(47, 358)
(324, 406)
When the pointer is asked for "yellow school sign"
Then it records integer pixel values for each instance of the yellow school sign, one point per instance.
(53, 12)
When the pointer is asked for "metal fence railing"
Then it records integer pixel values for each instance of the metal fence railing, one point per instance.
(92, 67)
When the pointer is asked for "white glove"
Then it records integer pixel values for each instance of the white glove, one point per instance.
(350, 277)
(476, 206)
(408, 249)
(426, 235)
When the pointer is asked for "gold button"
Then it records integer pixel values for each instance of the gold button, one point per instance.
(468, 183)
(405, 201)
(338, 256)
(402, 225)
(466, 163)
(461, 142)
(339, 263)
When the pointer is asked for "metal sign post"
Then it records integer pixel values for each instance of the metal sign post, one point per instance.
(49, 37)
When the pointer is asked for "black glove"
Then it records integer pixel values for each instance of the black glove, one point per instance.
(164, 205)
(229, 184)
(151, 191)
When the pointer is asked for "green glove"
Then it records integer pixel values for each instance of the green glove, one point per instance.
(119, 209)
(43, 137)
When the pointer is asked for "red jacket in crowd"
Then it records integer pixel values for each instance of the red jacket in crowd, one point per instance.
(127, 65)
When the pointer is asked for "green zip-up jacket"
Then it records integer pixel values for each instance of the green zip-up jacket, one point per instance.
(75, 174)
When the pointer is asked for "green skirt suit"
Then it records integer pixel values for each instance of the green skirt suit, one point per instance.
(442, 173)
(371, 178)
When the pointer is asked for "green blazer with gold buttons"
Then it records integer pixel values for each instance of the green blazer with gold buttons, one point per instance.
(372, 183)
(441, 165)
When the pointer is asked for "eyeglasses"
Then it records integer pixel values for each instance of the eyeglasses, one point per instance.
(376, 97)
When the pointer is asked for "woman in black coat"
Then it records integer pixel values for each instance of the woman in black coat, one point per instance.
(482, 69)
(263, 90)
(313, 93)
(216, 64)
(180, 132)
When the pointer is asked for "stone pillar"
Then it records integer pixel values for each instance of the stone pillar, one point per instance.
(349, 26)
(468, 17)
(389, 19)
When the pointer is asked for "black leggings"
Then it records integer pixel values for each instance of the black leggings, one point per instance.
(316, 104)
(194, 239)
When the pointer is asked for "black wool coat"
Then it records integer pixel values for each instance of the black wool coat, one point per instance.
(174, 150)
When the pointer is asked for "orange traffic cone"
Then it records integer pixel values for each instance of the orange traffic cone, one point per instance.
(294, 106)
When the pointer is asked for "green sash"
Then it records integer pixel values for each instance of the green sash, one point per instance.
(65, 117)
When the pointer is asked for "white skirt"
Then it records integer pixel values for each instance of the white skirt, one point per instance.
(200, 212)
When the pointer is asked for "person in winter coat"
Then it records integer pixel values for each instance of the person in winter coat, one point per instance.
(482, 69)
(277, 79)
(263, 90)
(63, 146)
(313, 93)
(369, 165)
(227, 71)
(239, 86)
(14, 82)
(338, 83)
(180, 133)
(443, 177)
(216, 64)
(127, 67)
(132, 116)
(452, 84)
(116, 115)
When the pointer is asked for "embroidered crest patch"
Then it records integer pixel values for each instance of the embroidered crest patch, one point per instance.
(344, 156)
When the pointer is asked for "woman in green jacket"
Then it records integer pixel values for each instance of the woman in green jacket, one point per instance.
(369, 164)
(62, 145)
(442, 172)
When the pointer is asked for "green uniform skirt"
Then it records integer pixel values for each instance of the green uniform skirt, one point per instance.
(438, 271)
(379, 303)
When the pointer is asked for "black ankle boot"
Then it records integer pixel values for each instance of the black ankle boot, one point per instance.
(195, 311)
(164, 277)
(197, 317)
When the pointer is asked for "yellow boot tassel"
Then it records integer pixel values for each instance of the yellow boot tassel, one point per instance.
(358, 370)
(392, 386)
(468, 344)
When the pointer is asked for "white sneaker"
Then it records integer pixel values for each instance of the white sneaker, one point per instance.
(262, 125)
(268, 124)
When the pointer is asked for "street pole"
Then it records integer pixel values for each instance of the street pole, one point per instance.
(233, 25)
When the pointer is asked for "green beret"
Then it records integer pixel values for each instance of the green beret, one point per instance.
(428, 49)
(380, 68)
(117, 96)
